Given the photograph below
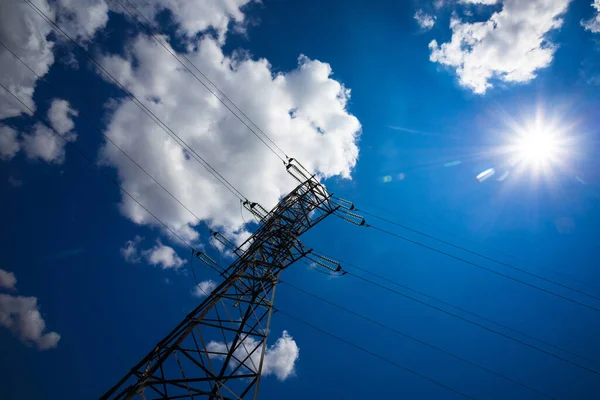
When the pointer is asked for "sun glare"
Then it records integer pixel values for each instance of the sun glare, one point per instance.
(538, 147)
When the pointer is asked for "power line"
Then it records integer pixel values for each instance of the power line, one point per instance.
(468, 312)
(398, 214)
(372, 353)
(412, 230)
(464, 260)
(214, 86)
(143, 107)
(44, 80)
(89, 160)
(476, 254)
(398, 332)
(472, 322)
(462, 310)
(437, 228)
(116, 183)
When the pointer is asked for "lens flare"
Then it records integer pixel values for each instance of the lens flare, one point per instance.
(540, 146)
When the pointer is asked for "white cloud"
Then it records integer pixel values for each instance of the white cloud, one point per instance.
(303, 111)
(511, 46)
(130, 252)
(22, 317)
(485, 2)
(194, 17)
(25, 33)
(204, 288)
(80, 19)
(437, 4)
(425, 21)
(46, 145)
(593, 24)
(61, 116)
(9, 145)
(164, 256)
(159, 254)
(279, 360)
(8, 280)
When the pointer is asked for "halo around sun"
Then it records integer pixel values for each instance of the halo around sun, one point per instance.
(539, 146)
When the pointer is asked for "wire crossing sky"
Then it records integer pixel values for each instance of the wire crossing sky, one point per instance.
(474, 119)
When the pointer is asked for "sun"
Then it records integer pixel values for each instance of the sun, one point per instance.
(538, 147)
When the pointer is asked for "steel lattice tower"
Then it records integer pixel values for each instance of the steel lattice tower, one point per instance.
(217, 351)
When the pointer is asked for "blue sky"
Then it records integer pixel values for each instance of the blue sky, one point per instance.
(431, 135)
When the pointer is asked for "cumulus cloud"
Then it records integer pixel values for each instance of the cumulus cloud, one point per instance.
(9, 144)
(279, 360)
(164, 256)
(438, 4)
(303, 111)
(22, 317)
(593, 24)
(160, 254)
(61, 116)
(425, 21)
(43, 144)
(193, 17)
(25, 33)
(80, 19)
(485, 2)
(204, 288)
(8, 280)
(46, 145)
(130, 251)
(511, 46)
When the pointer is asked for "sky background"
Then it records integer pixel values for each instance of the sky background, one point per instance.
(406, 142)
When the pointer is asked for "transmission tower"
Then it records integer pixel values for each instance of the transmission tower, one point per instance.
(217, 351)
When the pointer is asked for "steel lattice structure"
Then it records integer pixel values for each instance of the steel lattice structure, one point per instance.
(217, 351)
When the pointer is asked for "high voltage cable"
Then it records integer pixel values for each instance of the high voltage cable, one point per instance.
(214, 86)
(464, 260)
(113, 181)
(437, 228)
(372, 353)
(44, 80)
(575, 279)
(111, 141)
(468, 312)
(398, 332)
(476, 253)
(143, 107)
(96, 166)
(472, 322)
